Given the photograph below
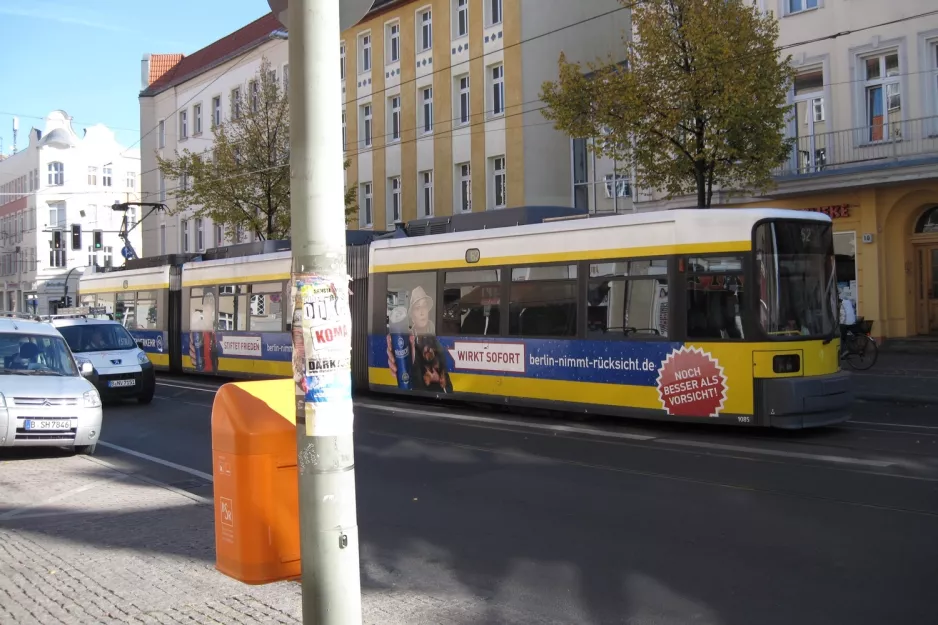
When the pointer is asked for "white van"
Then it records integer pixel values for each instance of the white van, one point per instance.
(120, 368)
(44, 399)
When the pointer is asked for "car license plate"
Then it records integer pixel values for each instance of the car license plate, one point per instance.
(48, 424)
(121, 383)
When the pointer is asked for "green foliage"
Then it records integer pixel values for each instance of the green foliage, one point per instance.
(244, 180)
(700, 101)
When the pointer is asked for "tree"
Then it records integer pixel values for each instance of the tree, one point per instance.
(700, 100)
(243, 180)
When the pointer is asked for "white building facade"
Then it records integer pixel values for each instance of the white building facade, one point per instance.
(56, 220)
(183, 98)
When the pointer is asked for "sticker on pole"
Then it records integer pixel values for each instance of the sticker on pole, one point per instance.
(691, 383)
(322, 347)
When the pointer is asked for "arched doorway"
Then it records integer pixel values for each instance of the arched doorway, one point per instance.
(925, 243)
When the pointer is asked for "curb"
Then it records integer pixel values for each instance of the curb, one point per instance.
(906, 400)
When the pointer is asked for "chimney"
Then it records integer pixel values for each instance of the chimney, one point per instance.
(145, 71)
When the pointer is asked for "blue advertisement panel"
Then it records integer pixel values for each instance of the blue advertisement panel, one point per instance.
(205, 348)
(635, 363)
(151, 341)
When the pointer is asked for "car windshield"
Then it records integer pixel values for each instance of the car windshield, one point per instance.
(796, 279)
(35, 354)
(97, 337)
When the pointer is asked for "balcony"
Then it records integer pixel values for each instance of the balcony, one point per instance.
(880, 148)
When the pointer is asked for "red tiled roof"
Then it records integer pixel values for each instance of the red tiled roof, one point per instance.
(250, 36)
(162, 63)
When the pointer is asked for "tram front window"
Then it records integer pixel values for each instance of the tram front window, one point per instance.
(797, 287)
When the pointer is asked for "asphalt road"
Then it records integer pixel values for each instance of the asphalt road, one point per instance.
(543, 520)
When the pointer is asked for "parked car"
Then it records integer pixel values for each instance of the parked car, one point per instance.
(120, 368)
(45, 399)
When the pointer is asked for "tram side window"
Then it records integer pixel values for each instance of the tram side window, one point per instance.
(543, 301)
(267, 307)
(628, 299)
(472, 303)
(124, 310)
(145, 313)
(233, 308)
(106, 300)
(716, 303)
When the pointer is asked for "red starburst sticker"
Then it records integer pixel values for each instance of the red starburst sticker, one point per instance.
(691, 383)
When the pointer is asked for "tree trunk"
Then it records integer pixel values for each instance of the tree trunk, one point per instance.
(700, 174)
(270, 225)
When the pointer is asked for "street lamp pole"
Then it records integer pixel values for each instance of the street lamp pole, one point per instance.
(322, 323)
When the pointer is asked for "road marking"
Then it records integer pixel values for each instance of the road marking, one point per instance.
(165, 463)
(776, 452)
(204, 389)
(535, 426)
(896, 425)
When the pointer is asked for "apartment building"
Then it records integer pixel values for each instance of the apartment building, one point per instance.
(442, 114)
(865, 120)
(56, 219)
(183, 97)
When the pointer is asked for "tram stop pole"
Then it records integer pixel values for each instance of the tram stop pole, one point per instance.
(321, 323)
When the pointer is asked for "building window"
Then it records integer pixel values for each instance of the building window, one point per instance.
(462, 102)
(56, 174)
(797, 6)
(427, 109)
(810, 115)
(254, 88)
(107, 177)
(617, 185)
(57, 215)
(426, 30)
(498, 90)
(344, 131)
(131, 180)
(92, 176)
(219, 235)
(495, 11)
(364, 52)
(461, 23)
(499, 182)
(183, 125)
(57, 250)
(236, 103)
(395, 109)
(109, 256)
(367, 217)
(216, 111)
(395, 189)
(366, 125)
(464, 173)
(184, 181)
(197, 119)
(342, 69)
(185, 235)
(162, 183)
(426, 193)
(161, 134)
(882, 98)
(199, 235)
(394, 42)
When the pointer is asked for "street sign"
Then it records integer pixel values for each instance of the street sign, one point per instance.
(350, 11)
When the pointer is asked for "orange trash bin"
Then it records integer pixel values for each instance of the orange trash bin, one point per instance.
(257, 535)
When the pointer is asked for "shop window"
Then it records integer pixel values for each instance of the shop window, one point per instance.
(716, 303)
(845, 258)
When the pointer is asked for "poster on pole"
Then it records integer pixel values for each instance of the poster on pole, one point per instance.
(322, 349)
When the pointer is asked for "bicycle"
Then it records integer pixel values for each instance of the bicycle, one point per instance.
(858, 348)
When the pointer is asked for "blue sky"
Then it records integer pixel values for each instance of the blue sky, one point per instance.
(83, 56)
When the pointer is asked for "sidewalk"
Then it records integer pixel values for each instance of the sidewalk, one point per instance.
(81, 542)
(899, 378)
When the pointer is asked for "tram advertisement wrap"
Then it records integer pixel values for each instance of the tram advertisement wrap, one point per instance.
(150, 341)
(690, 382)
(205, 348)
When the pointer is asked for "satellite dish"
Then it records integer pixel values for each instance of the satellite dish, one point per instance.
(350, 11)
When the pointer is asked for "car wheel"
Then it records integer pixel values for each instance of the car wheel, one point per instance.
(145, 399)
(85, 450)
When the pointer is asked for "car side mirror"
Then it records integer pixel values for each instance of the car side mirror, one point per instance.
(86, 369)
